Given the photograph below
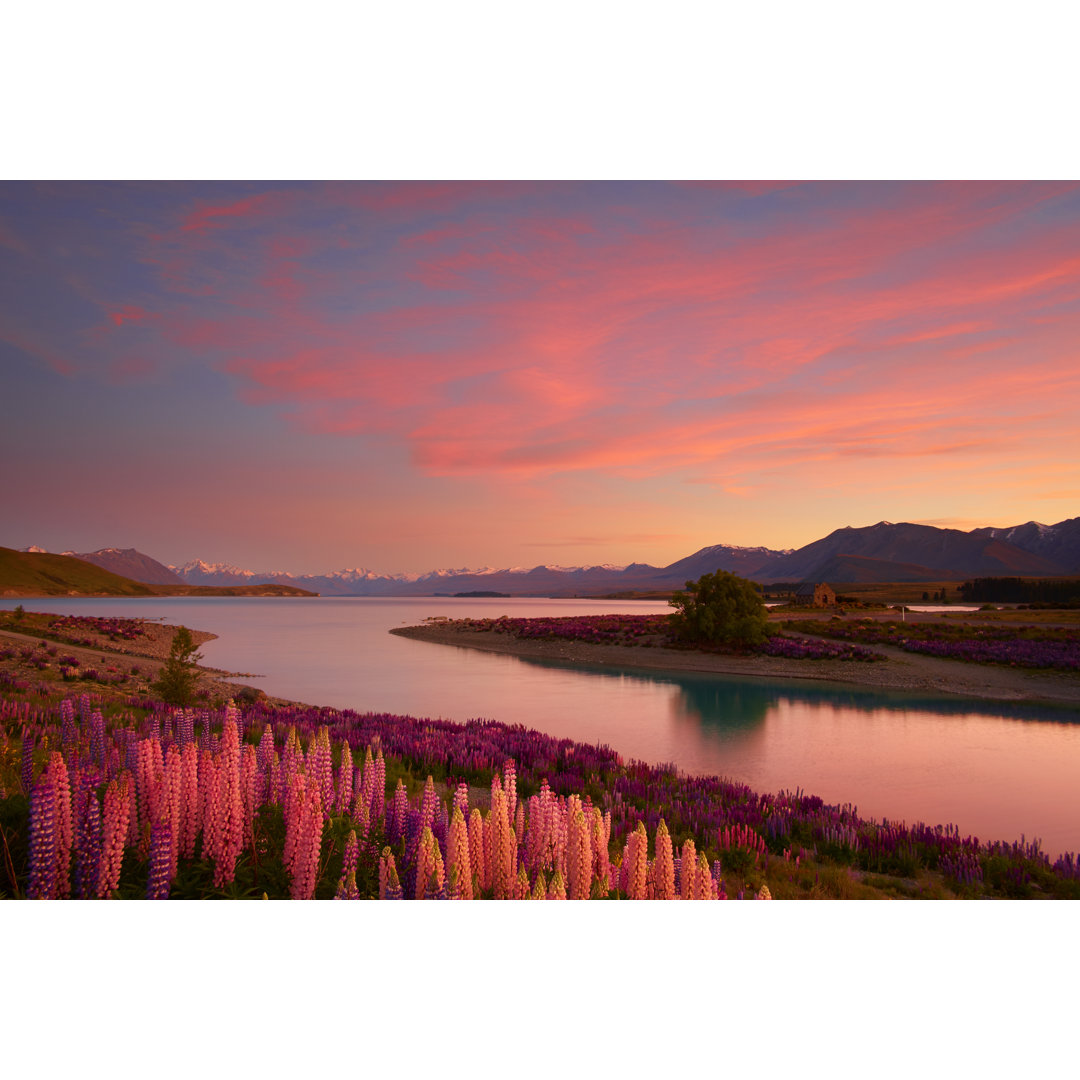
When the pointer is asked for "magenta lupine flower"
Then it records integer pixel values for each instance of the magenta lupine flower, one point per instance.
(347, 889)
(114, 834)
(305, 866)
(343, 799)
(663, 868)
(367, 782)
(429, 804)
(458, 865)
(579, 857)
(399, 812)
(43, 863)
(88, 845)
(519, 823)
(160, 878)
(265, 752)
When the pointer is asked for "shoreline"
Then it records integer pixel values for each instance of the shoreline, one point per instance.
(899, 671)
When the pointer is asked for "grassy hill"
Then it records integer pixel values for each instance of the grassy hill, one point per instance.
(28, 573)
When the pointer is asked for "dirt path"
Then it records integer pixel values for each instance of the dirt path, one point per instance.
(901, 670)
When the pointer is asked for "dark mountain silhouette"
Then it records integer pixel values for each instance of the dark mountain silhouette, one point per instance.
(942, 552)
(1059, 543)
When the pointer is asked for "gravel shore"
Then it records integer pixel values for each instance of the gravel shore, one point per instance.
(899, 671)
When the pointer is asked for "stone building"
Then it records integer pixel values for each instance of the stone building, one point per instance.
(820, 595)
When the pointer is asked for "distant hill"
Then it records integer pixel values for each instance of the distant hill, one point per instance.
(129, 563)
(36, 573)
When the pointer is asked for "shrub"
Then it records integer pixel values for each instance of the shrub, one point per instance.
(720, 609)
(176, 680)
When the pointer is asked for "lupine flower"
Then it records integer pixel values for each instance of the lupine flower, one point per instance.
(636, 864)
(42, 878)
(557, 888)
(189, 799)
(160, 878)
(57, 775)
(88, 845)
(481, 867)
(457, 855)
(230, 807)
(503, 847)
(663, 867)
(763, 893)
(430, 876)
(347, 889)
(688, 871)
(114, 834)
(579, 857)
(305, 864)
(26, 772)
(345, 781)
(389, 885)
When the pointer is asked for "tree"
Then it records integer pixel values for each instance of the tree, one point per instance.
(177, 678)
(720, 609)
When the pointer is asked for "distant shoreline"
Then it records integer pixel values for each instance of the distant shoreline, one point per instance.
(900, 671)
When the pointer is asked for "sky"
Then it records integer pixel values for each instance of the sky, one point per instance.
(405, 376)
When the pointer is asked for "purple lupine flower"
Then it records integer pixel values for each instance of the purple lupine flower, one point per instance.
(42, 877)
(160, 878)
(26, 774)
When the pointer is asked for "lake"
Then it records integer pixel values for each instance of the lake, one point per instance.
(996, 771)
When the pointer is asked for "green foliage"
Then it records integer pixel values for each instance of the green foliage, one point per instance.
(176, 681)
(720, 609)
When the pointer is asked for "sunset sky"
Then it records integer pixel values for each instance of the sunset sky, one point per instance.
(416, 375)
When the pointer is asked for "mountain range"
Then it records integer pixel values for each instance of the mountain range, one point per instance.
(881, 552)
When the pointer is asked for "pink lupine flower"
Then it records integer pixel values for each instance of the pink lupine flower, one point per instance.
(461, 799)
(636, 864)
(189, 799)
(557, 888)
(360, 817)
(519, 823)
(57, 775)
(430, 876)
(457, 855)
(481, 868)
(249, 791)
(320, 764)
(706, 886)
(600, 833)
(389, 885)
(521, 890)
(503, 847)
(161, 858)
(688, 871)
(305, 865)
(663, 868)
(510, 787)
(378, 799)
(114, 834)
(345, 781)
(229, 833)
(579, 858)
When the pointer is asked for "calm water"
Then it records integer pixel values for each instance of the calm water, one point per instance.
(996, 771)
